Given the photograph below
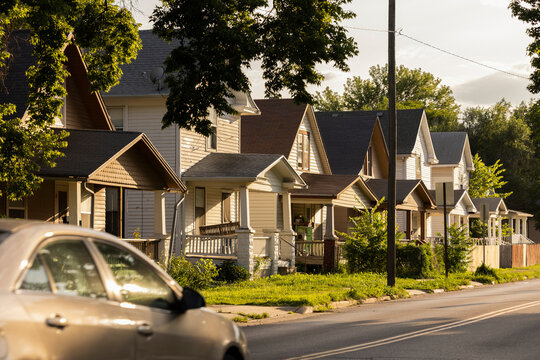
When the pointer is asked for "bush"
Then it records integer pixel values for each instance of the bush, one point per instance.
(485, 274)
(196, 276)
(414, 261)
(459, 249)
(230, 272)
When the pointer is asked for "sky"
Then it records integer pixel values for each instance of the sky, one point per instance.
(480, 30)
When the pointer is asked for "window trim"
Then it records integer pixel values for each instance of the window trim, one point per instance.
(124, 117)
(25, 208)
(368, 162)
(302, 136)
(418, 167)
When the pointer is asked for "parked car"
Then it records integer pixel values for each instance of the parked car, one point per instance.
(68, 292)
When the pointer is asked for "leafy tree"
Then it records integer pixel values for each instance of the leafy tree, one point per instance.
(109, 35)
(529, 12)
(486, 180)
(459, 249)
(414, 89)
(219, 38)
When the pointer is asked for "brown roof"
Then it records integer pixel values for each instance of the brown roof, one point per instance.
(320, 185)
(403, 189)
(274, 131)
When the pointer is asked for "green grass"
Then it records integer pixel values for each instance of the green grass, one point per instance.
(321, 290)
(254, 316)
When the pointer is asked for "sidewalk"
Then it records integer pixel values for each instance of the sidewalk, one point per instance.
(250, 315)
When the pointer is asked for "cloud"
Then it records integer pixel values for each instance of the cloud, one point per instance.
(489, 89)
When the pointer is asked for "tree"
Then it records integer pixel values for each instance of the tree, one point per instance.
(109, 36)
(414, 89)
(486, 180)
(217, 40)
(529, 12)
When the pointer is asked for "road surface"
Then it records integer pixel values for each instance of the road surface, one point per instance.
(491, 322)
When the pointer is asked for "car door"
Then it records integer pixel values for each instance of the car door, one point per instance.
(63, 293)
(162, 333)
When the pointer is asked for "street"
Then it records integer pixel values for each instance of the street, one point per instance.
(491, 322)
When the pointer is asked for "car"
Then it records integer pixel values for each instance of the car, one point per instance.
(68, 292)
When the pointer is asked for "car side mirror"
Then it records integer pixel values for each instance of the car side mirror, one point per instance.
(191, 299)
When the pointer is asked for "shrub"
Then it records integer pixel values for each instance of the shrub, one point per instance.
(485, 274)
(459, 249)
(414, 261)
(196, 276)
(230, 272)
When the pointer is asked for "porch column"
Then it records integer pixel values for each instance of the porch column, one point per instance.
(467, 219)
(524, 233)
(330, 240)
(245, 234)
(499, 220)
(288, 235)
(511, 221)
(159, 214)
(74, 203)
(423, 226)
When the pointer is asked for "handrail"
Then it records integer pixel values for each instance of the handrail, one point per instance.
(293, 246)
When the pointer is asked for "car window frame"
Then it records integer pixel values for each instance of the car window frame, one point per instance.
(176, 290)
(35, 254)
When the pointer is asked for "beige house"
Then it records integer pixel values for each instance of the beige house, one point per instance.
(232, 213)
(88, 185)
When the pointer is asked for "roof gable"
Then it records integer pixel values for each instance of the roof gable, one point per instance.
(404, 188)
(346, 136)
(450, 147)
(325, 185)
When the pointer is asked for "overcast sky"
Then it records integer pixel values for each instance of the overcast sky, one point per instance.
(481, 30)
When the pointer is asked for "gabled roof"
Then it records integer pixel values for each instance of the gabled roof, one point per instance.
(496, 204)
(450, 146)
(239, 167)
(15, 87)
(274, 131)
(460, 195)
(323, 185)
(346, 136)
(403, 189)
(137, 76)
(89, 151)
(410, 123)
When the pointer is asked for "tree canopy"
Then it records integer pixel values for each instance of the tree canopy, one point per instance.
(218, 39)
(486, 181)
(414, 89)
(107, 32)
(529, 12)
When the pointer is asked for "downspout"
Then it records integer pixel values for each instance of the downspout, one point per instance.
(92, 204)
(173, 231)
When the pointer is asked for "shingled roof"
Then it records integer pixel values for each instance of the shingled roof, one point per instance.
(403, 189)
(14, 90)
(274, 131)
(346, 136)
(458, 194)
(449, 146)
(495, 204)
(331, 186)
(136, 78)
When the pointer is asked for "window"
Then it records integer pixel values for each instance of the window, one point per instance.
(418, 167)
(200, 207)
(302, 146)
(211, 142)
(117, 117)
(16, 209)
(71, 270)
(139, 283)
(226, 207)
(112, 211)
(368, 162)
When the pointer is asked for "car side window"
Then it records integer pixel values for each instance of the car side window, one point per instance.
(72, 269)
(139, 283)
(36, 278)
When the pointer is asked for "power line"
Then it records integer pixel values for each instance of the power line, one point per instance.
(400, 33)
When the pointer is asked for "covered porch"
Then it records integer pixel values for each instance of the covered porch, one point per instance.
(458, 213)
(517, 221)
(238, 207)
(494, 226)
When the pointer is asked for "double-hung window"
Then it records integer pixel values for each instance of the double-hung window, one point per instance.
(302, 146)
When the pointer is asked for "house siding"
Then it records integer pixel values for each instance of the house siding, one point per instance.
(263, 210)
(349, 198)
(315, 163)
(41, 205)
(99, 208)
(77, 113)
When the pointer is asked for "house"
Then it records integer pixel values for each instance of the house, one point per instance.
(233, 205)
(88, 185)
(497, 210)
(355, 144)
(325, 206)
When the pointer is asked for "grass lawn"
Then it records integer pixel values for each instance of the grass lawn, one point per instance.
(304, 289)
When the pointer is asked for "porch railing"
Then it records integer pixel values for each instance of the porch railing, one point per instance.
(309, 248)
(219, 229)
(212, 245)
(148, 246)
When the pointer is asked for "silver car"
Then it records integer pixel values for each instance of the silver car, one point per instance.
(68, 292)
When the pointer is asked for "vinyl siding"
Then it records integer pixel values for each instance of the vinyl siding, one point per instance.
(401, 220)
(441, 174)
(349, 196)
(77, 112)
(99, 208)
(262, 210)
(228, 139)
(315, 163)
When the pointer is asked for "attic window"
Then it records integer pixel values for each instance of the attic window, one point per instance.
(211, 141)
(368, 162)
(418, 167)
(302, 150)
(117, 117)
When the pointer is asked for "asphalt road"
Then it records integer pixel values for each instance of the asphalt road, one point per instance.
(491, 322)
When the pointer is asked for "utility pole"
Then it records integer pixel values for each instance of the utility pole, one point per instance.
(392, 132)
